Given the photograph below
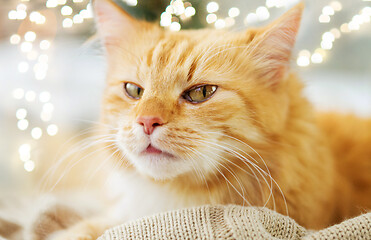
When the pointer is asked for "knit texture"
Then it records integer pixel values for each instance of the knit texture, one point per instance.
(233, 222)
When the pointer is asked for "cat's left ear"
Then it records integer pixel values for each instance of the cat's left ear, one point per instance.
(272, 45)
(116, 26)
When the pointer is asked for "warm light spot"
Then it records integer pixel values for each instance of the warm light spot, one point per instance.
(78, 19)
(61, 2)
(189, 11)
(132, 3)
(30, 36)
(29, 166)
(262, 13)
(44, 44)
(21, 113)
(34, 16)
(46, 116)
(366, 11)
(328, 10)
(48, 107)
(52, 129)
(165, 19)
(26, 47)
(212, 7)
(22, 124)
(170, 9)
(321, 51)
(303, 61)
(210, 18)
(233, 12)
(358, 19)
(270, 3)
(66, 10)
(175, 26)
(335, 32)
(326, 45)
(353, 26)
(36, 133)
(15, 39)
(316, 58)
(178, 7)
(220, 23)
(251, 18)
(51, 3)
(229, 22)
(336, 5)
(37, 18)
(324, 19)
(344, 28)
(25, 151)
(304, 53)
(21, 7)
(328, 37)
(12, 15)
(67, 23)
(21, 15)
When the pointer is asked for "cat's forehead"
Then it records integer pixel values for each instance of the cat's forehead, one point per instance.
(177, 57)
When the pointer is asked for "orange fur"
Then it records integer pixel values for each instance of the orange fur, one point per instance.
(257, 103)
(255, 136)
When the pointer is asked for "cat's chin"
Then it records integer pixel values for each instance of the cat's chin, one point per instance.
(159, 165)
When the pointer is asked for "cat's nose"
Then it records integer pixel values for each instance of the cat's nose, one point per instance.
(149, 123)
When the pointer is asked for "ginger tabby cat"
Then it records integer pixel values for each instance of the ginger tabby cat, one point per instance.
(216, 117)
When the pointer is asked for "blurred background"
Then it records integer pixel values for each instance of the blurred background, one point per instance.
(52, 76)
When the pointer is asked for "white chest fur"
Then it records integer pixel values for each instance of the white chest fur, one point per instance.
(135, 197)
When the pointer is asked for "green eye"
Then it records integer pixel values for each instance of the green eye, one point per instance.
(133, 90)
(200, 93)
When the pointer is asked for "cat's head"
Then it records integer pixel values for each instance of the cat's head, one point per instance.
(191, 101)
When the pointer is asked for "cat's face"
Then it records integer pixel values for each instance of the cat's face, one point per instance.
(191, 101)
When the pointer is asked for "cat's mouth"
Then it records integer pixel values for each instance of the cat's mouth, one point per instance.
(151, 150)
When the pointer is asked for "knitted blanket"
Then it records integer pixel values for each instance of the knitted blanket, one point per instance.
(233, 222)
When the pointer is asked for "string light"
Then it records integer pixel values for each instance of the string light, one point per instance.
(22, 124)
(34, 51)
(52, 129)
(212, 7)
(329, 37)
(210, 18)
(66, 10)
(177, 10)
(233, 12)
(29, 166)
(30, 36)
(21, 113)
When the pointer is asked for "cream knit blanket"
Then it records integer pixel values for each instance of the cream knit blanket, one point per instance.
(233, 222)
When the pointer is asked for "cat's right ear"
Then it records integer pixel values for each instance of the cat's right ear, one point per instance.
(114, 25)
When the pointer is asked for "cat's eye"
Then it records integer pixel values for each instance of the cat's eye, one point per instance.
(133, 90)
(199, 94)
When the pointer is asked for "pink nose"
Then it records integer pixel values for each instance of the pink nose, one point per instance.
(149, 123)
